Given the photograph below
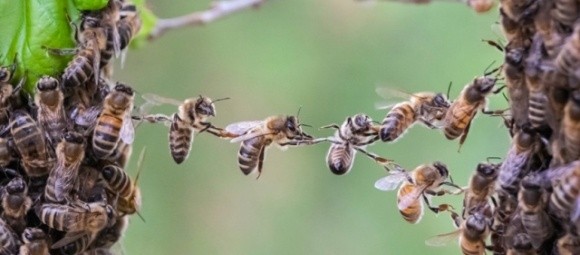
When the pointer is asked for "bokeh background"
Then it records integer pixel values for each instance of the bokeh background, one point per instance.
(326, 56)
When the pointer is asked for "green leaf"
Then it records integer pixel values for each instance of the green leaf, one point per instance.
(90, 5)
(148, 20)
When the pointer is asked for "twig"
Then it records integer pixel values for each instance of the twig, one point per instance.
(219, 9)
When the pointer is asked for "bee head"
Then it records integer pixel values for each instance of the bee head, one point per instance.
(47, 83)
(32, 234)
(525, 138)
(74, 137)
(441, 169)
(360, 122)
(123, 88)
(121, 97)
(487, 169)
(16, 185)
(292, 124)
(440, 101)
(108, 172)
(204, 106)
(475, 225)
(5, 74)
(522, 242)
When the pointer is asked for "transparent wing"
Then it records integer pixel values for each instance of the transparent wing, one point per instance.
(409, 198)
(127, 132)
(69, 237)
(392, 93)
(159, 100)
(248, 136)
(391, 182)
(443, 239)
(240, 128)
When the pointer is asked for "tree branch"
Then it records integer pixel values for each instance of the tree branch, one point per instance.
(219, 9)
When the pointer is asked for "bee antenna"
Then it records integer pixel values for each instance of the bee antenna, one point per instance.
(298, 114)
(449, 89)
(140, 216)
(220, 99)
(304, 125)
(485, 72)
(140, 165)
(505, 97)
(488, 158)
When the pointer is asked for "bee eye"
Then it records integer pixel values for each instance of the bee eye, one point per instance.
(110, 212)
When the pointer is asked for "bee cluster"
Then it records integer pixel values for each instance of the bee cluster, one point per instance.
(63, 186)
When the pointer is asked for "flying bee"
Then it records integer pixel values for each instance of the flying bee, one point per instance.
(426, 107)
(256, 136)
(78, 219)
(8, 240)
(129, 201)
(472, 98)
(521, 245)
(30, 143)
(425, 181)
(533, 200)
(49, 100)
(570, 127)
(481, 187)
(128, 26)
(569, 57)
(16, 203)
(192, 116)
(569, 244)
(114, 122)
(355, 133)
(472, 233)
(34, 242)
(69, 154)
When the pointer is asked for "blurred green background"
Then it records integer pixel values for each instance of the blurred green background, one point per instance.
(326, 56)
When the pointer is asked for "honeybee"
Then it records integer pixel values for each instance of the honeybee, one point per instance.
(481, 187)
(128, 25)
(114, 122)
(355, 133)
(472, 233)
(78, 219)
(569, 244)
(569, 57)
(504, 217)
(525, 144)
(69, 154)
(8, 240)
(7, 91)
(30, 144)
(50, 115)
(516, 83)
(192, 116)
(570, 128)
(565, 193)
(110, 235)
(565, 12)
(256, 136)
(34, 242)
(538, 99)
(472, 98)
(426, 107)
(122, 154)
(521, 245)
(532, 201)
(520, 11)
(109, 18)
(16, 203)
(129, 201)
(425, 181)
(6, 151)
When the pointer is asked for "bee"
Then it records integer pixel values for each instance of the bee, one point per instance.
(472, 233)
(78, 219)
(16, 203)
(521, 245)
(110, 18)
(532, 201)
(7, 91)
(504, 217)
(128, 26)
(425, 181)
(110, 235)
(570, 127)
(34, 242)
(30, 143)
(8, 240)
(472, 98)
(49, 100)
(256, 136)
(569, 244)
(518, 161)
(538, 99)
(565, 12)
(69, 153)
(569, 57)
(355, 133)
(520, 11)
(426, 107)
(129, 201)
(565, 192)
(114, 122)
(6, 151)
(122, 154)
(481, 187)
(192, 116)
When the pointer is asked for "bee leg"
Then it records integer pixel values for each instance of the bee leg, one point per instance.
(438, 209)
(464, 136)
(335, 126)
(261, 161)
(451, 184)
(380, 160)
(428, 124)
(457, 220)
(60, 52)
(494, 112)
(495, 44)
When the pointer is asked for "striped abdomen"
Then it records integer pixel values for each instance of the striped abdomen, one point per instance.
(250, 155)
(77, 246)
(565, 194)
(5, 152)
(414, 211)
(8, 241)
(569, 56)
(537, 111)
(79, 69)
(106, 134)
(457, 118)
(109, 50)
(55, 216)
(180, 139)
(397, 121)
(537, 225)
(571, 130)
(340, 158)
(565, 12)
(118, 180)
(60, 183)
(471, 247)
(30, 143)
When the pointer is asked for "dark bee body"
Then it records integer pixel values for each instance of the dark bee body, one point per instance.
(520, 11)
(30, 144)
(570, 129)
(532, 203)
(34, 242)
(425, 107)
(49, 100)
(128, 25)
(8, 240)
(481, 187)
(565, 192)
(118, 180)
(180, 139)
(108, 130)
(61, 180)
(569, 57)
(538, 99)
(565, 13)
(521, 245)
(110, 17)
(518, 161)
(79, 69)
(110, 235)
(16, 203)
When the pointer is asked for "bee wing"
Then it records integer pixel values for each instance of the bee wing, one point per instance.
(69, 237)
(241, 128)
(443, 239)
(391, 182)
(409, 198)
(127, 132)
(159, 100)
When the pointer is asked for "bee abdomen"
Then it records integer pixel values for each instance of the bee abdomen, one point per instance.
(340, 158)
(78, 246)
(537, 105)
(537, 225)
(565, 12)
(117, 180)
(79, 70)
(249, 153)
(180, 139)
(53, 216)
(8, 241)
(473, 249)
(564, 196)
(397, 121)
(413, 212)
(106, 135)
